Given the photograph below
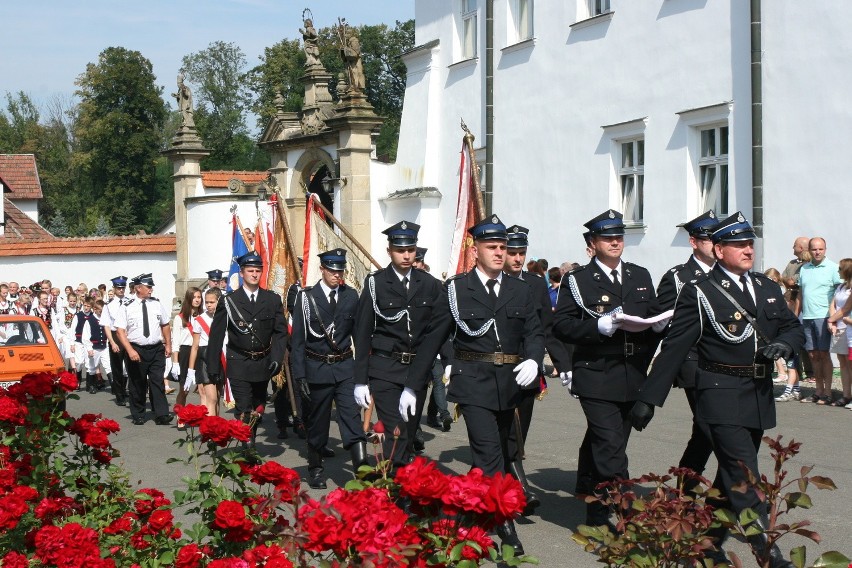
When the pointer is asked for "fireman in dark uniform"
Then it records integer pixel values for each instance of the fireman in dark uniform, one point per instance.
(741, 324)
(609, 364)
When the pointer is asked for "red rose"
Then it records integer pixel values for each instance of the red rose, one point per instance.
(191, 414)
(228, 563)
(161, 519)
(25, 492)
(231, 518)
(37, 385)
(220, 431)
(12, 410)
(422, 481)
(14, 560)
(71, 546)
(480, 537)
(123, 524)
(67, 381)
(50, 508)
(239, 431)
(189, 556)
(267, 556)
(379, 427)
(275, 474)
(12, 508)
(467, 493)
(505, 498)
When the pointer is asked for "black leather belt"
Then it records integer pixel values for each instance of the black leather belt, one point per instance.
(496, 358)
(621, 350)
(253, 355)
(329, 357)
(137, 346)
(401, 356)
(756, 371)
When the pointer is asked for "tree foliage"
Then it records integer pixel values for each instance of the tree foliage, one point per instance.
(121, 113)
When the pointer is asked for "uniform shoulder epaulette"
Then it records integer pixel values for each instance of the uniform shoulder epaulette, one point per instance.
(533, 274)
(677, 268)
(307, 288)
(155, 299)
(701, 278)
(130, 301)
(457, 276)
(761, 276)
(580, 268)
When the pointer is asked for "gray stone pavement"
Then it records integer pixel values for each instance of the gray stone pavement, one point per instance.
(551, 463)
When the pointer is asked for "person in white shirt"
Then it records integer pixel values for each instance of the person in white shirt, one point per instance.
(182, 340)
(208, 389)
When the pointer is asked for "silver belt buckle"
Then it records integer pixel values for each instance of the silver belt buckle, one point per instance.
(405, 358)
(498, 359)
(628, 349)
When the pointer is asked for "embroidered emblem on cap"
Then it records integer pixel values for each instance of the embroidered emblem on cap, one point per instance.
(515, 229)
(711, 214)
(403, 226)
(339, 252)
(611, 214)
(740, 218)
(494, 219)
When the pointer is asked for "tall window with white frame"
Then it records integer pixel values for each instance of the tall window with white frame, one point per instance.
(468, 29)
(522, 16)
(598, 7)
(631, 177)
(713, 169)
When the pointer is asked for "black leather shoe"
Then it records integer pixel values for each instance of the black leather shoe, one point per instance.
(419, 443)
(120, 401)
(282, 434)
(165, 419)
(433, 422)
(326, 452)
(316, 479)
(446, 423)
(138, 421)
(507, 535)
(91, 390)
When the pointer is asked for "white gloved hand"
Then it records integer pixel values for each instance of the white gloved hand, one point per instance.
(527, 372)
(362, 396)
(407, 403)
(660, 325)
(176, 370)
(566, 377)
(189, 383)
(448, 371)
(607, 325)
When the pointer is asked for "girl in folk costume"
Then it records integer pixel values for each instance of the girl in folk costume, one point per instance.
(182, 338)
(7, 306)
(197, 372)
(42, 311)
(68, 323)
(79, 359)
(94, 345)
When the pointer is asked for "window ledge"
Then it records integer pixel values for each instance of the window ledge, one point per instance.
(635, 228)
(521, 45)
(464, 63)
(599, 19)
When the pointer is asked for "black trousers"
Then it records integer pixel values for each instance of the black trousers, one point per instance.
(699, 447)
(603, 453)
(734, 445)
(146, 375)
(488, 436)
(386, 398)
(248, 395)
(523, 419)
(282, 405)
(119, 379)
(318, 420)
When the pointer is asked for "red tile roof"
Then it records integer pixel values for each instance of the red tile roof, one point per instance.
(134, 244)
(19, 227)
(20, 176)
(220, 178)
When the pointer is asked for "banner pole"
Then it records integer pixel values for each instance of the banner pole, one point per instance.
(282, 214)
(344, 229)
(468, 140)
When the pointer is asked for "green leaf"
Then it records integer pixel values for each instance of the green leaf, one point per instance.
(832, 559)
(796, 499)
(456, 552)
(822, 482)
(725, 516)
(747, 516)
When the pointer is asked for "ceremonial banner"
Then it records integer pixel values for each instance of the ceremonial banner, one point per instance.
(238, 249)
(467, 215)
(320, 237)
(263, 237)
(283, 269)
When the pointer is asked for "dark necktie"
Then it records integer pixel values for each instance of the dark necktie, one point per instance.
(492, 294)
(405, 283)
(146, 328)
(750, 305)
(332, 300)
(615, 279)
(251, 300)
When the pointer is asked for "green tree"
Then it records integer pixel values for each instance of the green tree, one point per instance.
(118, 128)
(217, 77)
(19, 131)
(57, 225)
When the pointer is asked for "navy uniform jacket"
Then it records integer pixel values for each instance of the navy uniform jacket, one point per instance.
(270, 333)
(480, 383)
(720, 398)
(606, 368)
(667, 293)
(305, 335)
(560, 354)
(372, 333)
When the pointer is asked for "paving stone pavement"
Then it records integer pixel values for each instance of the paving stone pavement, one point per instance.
(551, 463)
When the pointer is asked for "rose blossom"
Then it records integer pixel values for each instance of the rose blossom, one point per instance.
(161, 519)
(221, 431)
(505, 497)
(191, 414)
(37, 385)
(422, 481)
(190, 556)
(67, 381)
(12, 508)
(12, 410)
(14, 560)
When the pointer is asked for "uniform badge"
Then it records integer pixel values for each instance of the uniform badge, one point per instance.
(758, 282)
(611, 214)
(740, 218)
(403, 226)
(604, 298)
(698, 272)
(711, 214)
(596, 276)
(494, 219)
(599, 309)
(732, 327)
(738, 316)
(515, 229)
(770, 300)
(726, 284)
(241, 324)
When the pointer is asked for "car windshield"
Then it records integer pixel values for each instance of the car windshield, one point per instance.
(21, 333)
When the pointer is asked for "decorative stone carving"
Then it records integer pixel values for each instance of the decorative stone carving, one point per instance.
(311, 39)
(350, 52)
(184, 101)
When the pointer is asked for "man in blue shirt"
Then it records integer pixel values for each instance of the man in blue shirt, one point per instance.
(817, 280)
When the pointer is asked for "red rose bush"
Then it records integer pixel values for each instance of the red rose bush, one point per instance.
(64, 503)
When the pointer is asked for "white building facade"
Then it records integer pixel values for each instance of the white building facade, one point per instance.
(649, 107)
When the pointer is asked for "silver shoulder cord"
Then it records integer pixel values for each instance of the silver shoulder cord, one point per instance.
(230, 318)
(721, 331)
(575, 292)
(306, 311)
(454, 310)
(678, 283)
(371, 285)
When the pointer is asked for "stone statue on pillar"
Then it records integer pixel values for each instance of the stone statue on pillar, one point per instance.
(311, 39)
(350, 52)
(184, 101)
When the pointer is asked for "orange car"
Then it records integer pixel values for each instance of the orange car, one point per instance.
(26, 346)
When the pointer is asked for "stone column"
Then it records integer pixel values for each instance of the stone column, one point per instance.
(185, 154)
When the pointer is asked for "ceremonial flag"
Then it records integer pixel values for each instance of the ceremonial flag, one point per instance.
(320, 237)
(238, 249)
(263, 237)
(283, 265)
(467, 215)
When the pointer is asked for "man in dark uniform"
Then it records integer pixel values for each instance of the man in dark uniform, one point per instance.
(213, 278)
(609, 364)
(516, 259)
(116, 350)
(321, 355)
(253, 319)
(699, 448)
(741, 325)
(394, 313)
(498, 347)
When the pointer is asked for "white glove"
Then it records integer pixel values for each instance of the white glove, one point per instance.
(190, 380)
(448, 371)
(176, 370)
(660, 325)
(566, 377)
(527, 372)
(407, 403)
(362, 396)
(607, 325)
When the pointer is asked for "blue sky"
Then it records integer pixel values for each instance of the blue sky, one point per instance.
(46, 44)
